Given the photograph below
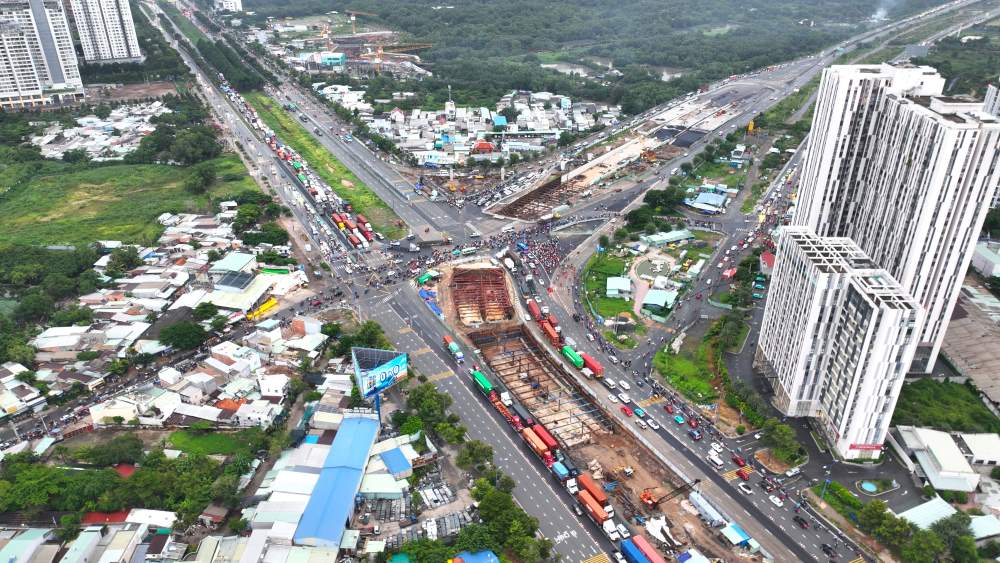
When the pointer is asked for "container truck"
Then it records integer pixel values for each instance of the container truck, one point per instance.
(537, 446)
(355, 241)
(535, 310)
(553, 320)
(413, 248)
(568, 464)
(593, 365)
(549, 332)
(545, 437)
(596, 492)
(483, 384)
(572, 487)
(523, 414)
(647, 549)
(453, 349)
(350, 225)
(592, 507)
(559, 470)
(572, 356)
(611, 530)
(632, 553)
(362, 221)
(368, 235)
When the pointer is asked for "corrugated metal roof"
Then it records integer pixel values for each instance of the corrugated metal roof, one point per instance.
(332, 499)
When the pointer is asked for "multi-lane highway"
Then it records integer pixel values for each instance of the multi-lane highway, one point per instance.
(408, 323)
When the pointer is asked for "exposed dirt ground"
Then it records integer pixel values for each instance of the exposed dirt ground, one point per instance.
(131, 92)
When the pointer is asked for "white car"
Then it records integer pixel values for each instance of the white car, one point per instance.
(758, 436)
(717, 447)
(624, 385)
(612, 398)
(624, 398)
(776, 501)
(793, 472)
(652, 424)
(747, 489)
(641, 423)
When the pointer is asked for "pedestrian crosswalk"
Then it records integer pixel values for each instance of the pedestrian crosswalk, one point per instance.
(599, 558)
(440, 375)
(731, 474)
(650, 401)
(858, 560)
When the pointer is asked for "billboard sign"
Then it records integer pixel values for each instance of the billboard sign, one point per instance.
(377, 370)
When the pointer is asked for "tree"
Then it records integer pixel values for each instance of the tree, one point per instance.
(237, 525)
(871, 517)
(69, 527)
(193, 145)
(205, 310)
(604, 241)
(411, 426)
(473, 453)
(184, 335)
(35, 306)
(214, 255)
(963, 550)
(200, 427)
(331, 330)
(122, 260)
(218, 323)
(76, 156)
(924, 547)
(427, 551)
(475, 538)
(953, 527)
(621, 234)
(894, 532)
(781, 438)
(686, 167)
(58, 286)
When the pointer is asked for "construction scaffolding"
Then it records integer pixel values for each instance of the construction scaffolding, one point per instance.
(481, 296)
(541, 200)
(539, 383)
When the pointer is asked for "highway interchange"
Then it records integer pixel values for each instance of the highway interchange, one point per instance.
(407, 321)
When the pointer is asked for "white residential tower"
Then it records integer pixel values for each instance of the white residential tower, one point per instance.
(38, 65)
(837, 337)
(905, 173)
(106, 30)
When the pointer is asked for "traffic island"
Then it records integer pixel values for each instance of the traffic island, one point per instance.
(766, 458)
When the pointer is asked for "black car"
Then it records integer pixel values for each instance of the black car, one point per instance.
(802, 522)
(828, 550)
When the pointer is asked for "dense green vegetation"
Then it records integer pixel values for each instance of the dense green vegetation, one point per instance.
(194, 442)
(952, 407)
(162, 61)
(331, 170)
(599, 268)
(186, 26)
(185, 485)
(484, 49)
(968, 66)
(948, 539)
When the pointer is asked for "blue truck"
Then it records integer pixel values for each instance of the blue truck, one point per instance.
(632, 553)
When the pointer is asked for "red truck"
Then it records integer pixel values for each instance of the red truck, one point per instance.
(648, 550)
(349, 225)
(368, 235)
(537, 446)
(596, 492)
(545, 437)
(355, 241)
(550, 333)
(552, 319)
(593, 507)
(535, 310)
(362, 221)
(592, 364)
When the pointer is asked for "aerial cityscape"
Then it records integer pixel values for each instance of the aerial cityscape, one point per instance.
(406, 282)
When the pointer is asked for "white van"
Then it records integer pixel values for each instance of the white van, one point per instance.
(716, 460)
(610, 383)
(624, 385)
(507, 229)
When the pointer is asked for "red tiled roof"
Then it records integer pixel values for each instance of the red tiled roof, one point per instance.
(125, 470)
(105, 517)
(768, 259)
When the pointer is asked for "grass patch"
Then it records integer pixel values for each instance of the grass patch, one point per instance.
(57, 203)
(627, 343)
(744, 331)
(599, 268)
(216, 443)
(840, 499)
(881, 55)
(946, 406)
(750, 202)
(186, 27)
(687, 372)
(331, 170)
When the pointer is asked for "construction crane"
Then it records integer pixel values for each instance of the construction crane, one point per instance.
(647, 497)
(354, 16)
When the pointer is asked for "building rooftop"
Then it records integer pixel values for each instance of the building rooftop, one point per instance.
(940, 458)
(332, 500)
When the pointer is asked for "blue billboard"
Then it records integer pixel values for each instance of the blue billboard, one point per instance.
(378, 370)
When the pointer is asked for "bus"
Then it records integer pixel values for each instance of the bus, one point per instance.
(469, 250)
(484, 385)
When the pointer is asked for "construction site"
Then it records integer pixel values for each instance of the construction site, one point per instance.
(620, 158)
(480, 295)
(478, 301)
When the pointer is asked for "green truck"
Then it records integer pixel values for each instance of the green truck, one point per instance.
(572, 356)
(483, 384)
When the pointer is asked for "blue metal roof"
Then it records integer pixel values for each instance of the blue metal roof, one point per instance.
(332, 499)
(395, 461)
(499, 121)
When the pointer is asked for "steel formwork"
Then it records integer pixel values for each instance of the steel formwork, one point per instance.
(536, 381)
(481, 296)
